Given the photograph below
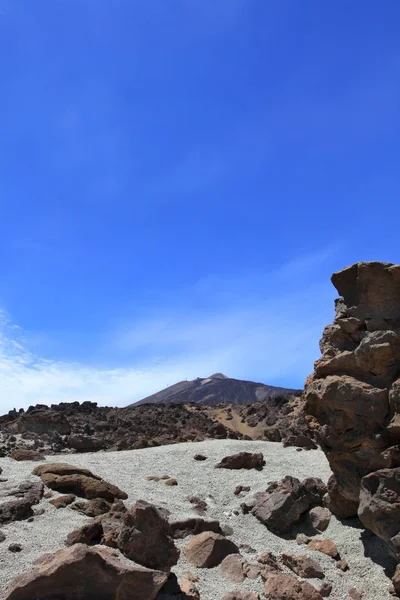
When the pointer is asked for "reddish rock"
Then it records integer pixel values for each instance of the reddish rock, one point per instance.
(209, 549)
(319, 518)
(342, 565)
(89, 573)
(242, 460)
(193, 526)
(200, 457)
(354, 594)
(189, 589)
(26, 454)
(326, 546)
(325, 589)
(20, 502)
(92, 508)
(288, 587)
(63, 501)
(171, 482)
(303, 566)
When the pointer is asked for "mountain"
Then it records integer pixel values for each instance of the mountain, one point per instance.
(216, 389)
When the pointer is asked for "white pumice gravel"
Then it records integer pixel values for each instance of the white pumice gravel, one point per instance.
(129, 469)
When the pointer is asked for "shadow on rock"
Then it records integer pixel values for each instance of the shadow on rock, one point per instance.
(377, 551)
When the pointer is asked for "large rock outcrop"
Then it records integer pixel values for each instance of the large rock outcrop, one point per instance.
(353, 396)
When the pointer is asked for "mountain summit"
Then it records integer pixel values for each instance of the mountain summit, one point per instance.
(216, 389)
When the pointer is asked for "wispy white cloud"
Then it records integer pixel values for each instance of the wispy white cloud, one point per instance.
(271, 335)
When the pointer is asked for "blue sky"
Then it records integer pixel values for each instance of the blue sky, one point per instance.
(179, 179)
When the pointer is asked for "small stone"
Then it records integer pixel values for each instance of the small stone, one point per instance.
(299, 449)
(2, 536)
(354, 594)
(63, 501)
(209, 549)
(31, 519)
(325, 589)
(319, 517)
(270, 560)
(342, 565)
(238, 595)
(303, 566)
(326, 546)
(199, 457)
(302, 539)
(190, 590)
(48, 494)
(15, 548)
(171, 482)
(241, 488)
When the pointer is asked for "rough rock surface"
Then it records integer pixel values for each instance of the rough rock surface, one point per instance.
(353, 396)
(83, 573)
(193, 526)
(209, 549)
(288, 587)
(303, 566)
(16, 505)
(284, 502)
(242, 460)
(73, 480)
(142, 534)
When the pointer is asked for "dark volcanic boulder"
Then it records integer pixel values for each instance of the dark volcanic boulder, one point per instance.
(142, 534)
(26, 454)
(86, 573)
(284, 502)
(242, 460)
(16, 504)
(193, 526)
(379, 508)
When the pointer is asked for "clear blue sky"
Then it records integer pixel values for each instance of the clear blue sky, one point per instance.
(179, 179)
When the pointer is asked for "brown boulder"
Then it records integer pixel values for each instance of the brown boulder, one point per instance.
(92, 508)
(83, 573)
(208, 549)
(288, 587)
(21, 501)
(63, 501)
(339, 505)
(379, 508)
(303, 566)
(193, 526)
(67, 479)
(325, 546)
(284, 502)
(22, 454)
(319, 518)
(142, 534)
(236, 568)
(242, 460)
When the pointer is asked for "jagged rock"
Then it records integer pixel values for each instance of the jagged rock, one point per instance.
(193, 526)
(92, 508)
(326, 546)
(268, 559)
(68, 479)
(90, 573)
(209, 549)
(85, 443)
(142, 534)
(2, 537)
(23, 498)
(353, 396)
(284, 502)
(15, 548)
(319, 518)
(303, 566)
(233, 567)
(342, 565)
(63, 501)
(288, 587)
(189, 590)
(242, 460)
(379, 508)
(239, 489)
(325, 589)
(21, 454)
(396, 580)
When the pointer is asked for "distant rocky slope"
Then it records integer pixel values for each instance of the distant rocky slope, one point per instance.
(353, 398)
(217, 389)
(74, 427)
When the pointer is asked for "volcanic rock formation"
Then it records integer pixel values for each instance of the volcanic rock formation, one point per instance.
(353, 397)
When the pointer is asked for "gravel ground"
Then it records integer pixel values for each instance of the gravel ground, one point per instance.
(365, 554)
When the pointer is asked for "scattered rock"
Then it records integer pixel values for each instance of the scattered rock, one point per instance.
(83, 572)
(199, 504)
(238, 595)
(302, 539)
(209, 549)
(288, 587)
(354, 594)
(242, 460)
(171, 482)
(193, 526)
(325, 589)
(284, 502)
(15, 548)
(303, 566)
(22, 454)
(63, 501)
(326, 546)
(23, 498)
(68, 479)
(319, 518)
(142, 534)
(236, 568)
(270, 560)
(92, 508)
(342, 565)
(189, 589)
(2, 537)
(241, 488)
(200, 457)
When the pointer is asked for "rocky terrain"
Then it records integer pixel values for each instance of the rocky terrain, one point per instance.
(217, 389)
(215, 520)
(74, 427)
(353, 398)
